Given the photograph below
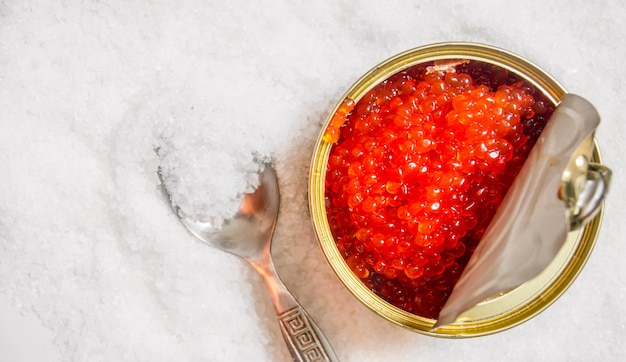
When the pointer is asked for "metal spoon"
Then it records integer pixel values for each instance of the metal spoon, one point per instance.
(249, 235)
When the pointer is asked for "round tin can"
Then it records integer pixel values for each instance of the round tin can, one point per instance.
(499, 312)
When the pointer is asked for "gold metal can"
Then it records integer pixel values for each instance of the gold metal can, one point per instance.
(497, 313)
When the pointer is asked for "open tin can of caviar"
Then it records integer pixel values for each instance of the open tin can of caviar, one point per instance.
(406, 291)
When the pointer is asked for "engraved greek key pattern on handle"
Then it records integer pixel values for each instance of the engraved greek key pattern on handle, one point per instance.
(297, 327)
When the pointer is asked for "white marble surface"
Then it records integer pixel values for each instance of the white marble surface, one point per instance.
(87, 267)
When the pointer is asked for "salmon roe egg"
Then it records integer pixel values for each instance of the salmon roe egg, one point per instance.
(417, 170)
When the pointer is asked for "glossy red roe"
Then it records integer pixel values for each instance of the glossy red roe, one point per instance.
(417, 170)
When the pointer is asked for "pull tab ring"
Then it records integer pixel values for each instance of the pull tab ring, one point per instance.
(588, 202)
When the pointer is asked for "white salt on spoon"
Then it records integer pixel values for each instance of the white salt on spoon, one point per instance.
(206, 184)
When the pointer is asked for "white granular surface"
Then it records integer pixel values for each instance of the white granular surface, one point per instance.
(90, 250)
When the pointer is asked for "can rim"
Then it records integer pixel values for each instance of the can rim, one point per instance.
(498, 313)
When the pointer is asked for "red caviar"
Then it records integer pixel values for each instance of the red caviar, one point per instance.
(331, 135)
(419, 167)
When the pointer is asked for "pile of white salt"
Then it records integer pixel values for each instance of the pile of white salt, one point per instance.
(204, 176)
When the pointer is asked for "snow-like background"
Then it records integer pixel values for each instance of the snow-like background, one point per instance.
(94, 266)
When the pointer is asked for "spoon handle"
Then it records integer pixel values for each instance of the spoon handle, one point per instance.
(305, 340)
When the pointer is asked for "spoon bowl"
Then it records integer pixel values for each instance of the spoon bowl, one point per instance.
(249, 232)
(248, 235)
